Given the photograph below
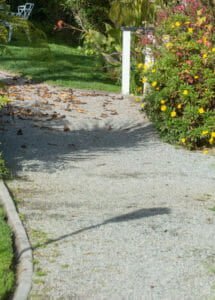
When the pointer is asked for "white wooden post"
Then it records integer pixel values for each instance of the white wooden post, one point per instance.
(149, 61)
(126, 63)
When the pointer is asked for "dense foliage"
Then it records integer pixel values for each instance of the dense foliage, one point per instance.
(181, 100)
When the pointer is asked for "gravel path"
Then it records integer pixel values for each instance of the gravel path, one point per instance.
(111, 211)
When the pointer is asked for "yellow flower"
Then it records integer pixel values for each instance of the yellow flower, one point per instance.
(165, 38)
(183, 140)
(140, 66)
(205, 55)
(213, 134)
(213, 49)
(169, 45)
(163, 107)
(173, 114)
(200, 21)
(190, 30)
(204, 39)
(179, 106)
(196, 77)
(185, 92)
(143, 105)
(147, 66)
(177, 24)
(144, 79)
(204, 132)
(163, 101)
(201, 110)
(138, 99)
(205, 151)
(157, 89)
(211, 141)
(154, 83)
(153, 70)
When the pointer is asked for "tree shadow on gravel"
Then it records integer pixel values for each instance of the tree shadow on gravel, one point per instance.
(135, 215)
(41, 148)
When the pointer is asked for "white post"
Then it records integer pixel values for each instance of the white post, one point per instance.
(126, 54)
(149, 61)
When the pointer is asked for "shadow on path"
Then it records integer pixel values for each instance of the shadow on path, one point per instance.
(50, 149)
(135, 215)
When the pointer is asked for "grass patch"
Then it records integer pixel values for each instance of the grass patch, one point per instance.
(61, 64)
(7, 277)
(4, 172)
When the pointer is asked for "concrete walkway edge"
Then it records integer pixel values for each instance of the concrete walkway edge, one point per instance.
(23, 248)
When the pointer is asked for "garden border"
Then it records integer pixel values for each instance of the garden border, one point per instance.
(23, 248)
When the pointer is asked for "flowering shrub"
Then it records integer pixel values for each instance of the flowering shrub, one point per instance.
(181, 100)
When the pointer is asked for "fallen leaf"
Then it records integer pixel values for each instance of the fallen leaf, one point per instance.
(81, 111)
(104, 115)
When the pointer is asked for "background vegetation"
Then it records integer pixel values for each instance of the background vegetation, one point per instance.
(93, 28)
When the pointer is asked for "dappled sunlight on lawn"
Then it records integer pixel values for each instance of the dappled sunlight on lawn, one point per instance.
(58, 64)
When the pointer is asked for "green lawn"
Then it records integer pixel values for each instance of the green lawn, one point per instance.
(7, 277)
(62, 65)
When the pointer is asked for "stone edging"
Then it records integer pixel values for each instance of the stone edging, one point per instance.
(23, 248)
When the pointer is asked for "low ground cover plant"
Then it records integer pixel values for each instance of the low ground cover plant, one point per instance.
(181, 100)
(7, 277)
(4, 172)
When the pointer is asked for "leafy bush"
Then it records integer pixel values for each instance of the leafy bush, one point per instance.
(181, 99)
(108, 43)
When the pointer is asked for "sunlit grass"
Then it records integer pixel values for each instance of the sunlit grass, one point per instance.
(60, 64)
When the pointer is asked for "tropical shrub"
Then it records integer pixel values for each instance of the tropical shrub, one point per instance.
(181, 100)
(108, 44)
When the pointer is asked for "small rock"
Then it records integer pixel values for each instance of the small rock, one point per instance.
(66, 128)
(19, 132)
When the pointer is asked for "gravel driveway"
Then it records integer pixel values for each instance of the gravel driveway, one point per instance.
(111, 211)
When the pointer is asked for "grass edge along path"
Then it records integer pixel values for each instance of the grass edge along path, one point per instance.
(7, 274)
(57, 64)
